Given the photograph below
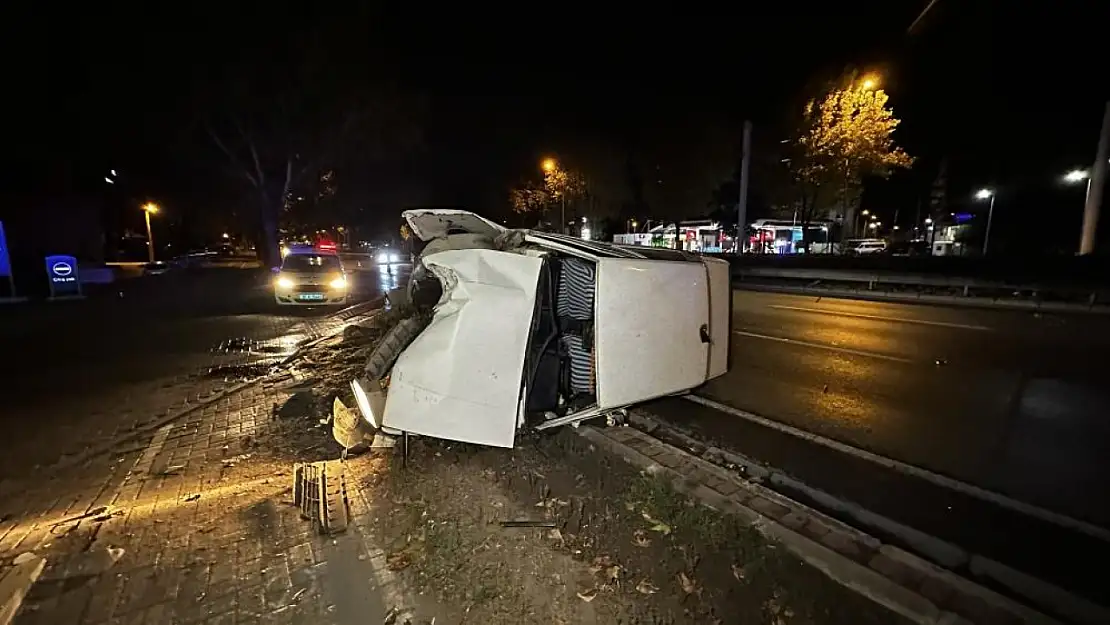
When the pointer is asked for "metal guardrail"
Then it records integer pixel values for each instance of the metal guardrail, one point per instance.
(873, 278)
(921, 288)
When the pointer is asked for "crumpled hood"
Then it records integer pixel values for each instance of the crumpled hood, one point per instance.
(430, 224)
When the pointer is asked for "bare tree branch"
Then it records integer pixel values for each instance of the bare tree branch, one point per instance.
(244, 171)
(260, 175)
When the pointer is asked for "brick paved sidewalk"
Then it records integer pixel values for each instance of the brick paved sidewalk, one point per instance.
(202, 509)
(204, 515)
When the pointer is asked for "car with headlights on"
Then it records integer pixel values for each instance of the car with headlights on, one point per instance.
(390, 256)
(310, 277)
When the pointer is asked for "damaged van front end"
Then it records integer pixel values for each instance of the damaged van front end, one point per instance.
(515, 329)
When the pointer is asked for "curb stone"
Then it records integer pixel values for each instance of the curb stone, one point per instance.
(897, 580)
(1038, 593)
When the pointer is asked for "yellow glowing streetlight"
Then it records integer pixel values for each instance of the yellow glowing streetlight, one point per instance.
(549, 165)
(150, 208)
(869, 82)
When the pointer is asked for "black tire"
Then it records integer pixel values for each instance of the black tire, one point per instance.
(392, 344)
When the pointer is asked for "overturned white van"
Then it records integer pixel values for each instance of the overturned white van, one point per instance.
(526, 329)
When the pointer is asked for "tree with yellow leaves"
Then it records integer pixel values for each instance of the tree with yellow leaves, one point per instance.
(844, 137)
(529, 198)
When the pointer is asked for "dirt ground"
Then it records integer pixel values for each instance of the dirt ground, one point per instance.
(621, 547)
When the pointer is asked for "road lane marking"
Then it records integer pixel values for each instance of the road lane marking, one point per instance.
(831, 348)
(925, 322)
(971, 490)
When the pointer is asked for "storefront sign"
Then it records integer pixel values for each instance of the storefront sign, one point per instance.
(5, 260)
(61, 271)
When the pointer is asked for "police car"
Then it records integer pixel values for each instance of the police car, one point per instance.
(310, 276)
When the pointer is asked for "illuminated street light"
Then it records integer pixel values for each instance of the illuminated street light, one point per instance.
(984, 194)
(869, 82)
(865, 212)
(928, 220)
(227, 236)
(150, 208)
(1076, 175)
(549, 165)
(109, 180)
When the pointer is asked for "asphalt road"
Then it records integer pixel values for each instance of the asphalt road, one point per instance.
(146, 328)
(1017, 403)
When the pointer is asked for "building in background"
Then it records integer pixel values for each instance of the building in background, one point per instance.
(780, 236)
(702, 236)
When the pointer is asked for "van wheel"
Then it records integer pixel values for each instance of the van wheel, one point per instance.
(392, 344)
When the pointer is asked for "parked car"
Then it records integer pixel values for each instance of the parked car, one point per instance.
(514, 329)
(862, 247)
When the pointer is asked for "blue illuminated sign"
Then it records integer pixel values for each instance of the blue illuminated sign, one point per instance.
(5, 261)
(61, 272)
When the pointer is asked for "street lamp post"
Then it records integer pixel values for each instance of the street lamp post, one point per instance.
(150, 208)
(985, 194)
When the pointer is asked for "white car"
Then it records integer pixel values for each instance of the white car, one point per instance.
(310, 277)
(531, 329)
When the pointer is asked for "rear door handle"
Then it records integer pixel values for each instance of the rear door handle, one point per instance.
(703, 331)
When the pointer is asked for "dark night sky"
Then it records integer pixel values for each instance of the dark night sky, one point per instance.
(1011, 95)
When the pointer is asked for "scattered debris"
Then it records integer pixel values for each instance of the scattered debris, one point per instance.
(320, 491)
(393, 617)
(299, 405)
(657, 526)
(97, 511)
(193, 497)
(589, 595)
(230, 462)
(173, 469)
(640, 539)
(646, 587)
(398, 561)
(689, 585)
(26, 556)
(108, 516)
(527, 524)
(94, 561)
(350, 431)
(15, 583)
(739, 573)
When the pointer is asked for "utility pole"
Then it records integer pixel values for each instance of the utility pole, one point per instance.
(1094, 190)
(742, 203)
